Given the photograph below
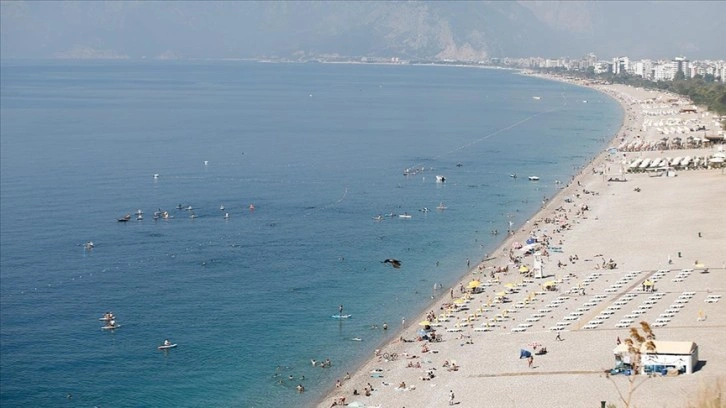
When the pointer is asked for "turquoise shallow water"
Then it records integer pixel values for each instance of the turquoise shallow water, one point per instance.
(318, 149)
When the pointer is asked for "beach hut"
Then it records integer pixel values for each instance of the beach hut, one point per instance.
(679, 355)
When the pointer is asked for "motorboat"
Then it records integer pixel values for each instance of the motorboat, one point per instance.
(404, 215)
(125, 218)
(533, 178)
(378, 217)
(440, 179)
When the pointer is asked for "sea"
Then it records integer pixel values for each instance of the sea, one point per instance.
(302, 158)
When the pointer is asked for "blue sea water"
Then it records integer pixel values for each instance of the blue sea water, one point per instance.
(318, 149)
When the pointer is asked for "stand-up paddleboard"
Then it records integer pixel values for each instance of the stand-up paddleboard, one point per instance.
(167, 347)
(111, 327)
(341, 316)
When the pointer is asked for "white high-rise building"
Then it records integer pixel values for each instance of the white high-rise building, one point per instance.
(621, 65)
(680, 64)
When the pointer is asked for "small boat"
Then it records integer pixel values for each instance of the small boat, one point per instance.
(513, 175)
(441, 206)
(404, 215)
(425, 209)
(125, 218)
(221, 207)
(156, 175)
(167, 346)
(533, 178)
(536, 98)
(378, 217)
(440, 179)
(89, 245)
(226, 216)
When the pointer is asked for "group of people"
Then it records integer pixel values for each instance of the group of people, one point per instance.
(110, 320)
(323, 364)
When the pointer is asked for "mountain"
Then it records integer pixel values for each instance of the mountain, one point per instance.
(468, 31)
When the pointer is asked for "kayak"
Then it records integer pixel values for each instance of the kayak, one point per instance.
(170, 346)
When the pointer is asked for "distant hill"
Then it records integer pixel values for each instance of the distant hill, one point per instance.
(469, 31)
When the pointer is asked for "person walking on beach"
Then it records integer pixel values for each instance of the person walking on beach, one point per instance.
(558, 338)
(451, 397)
(530, 360)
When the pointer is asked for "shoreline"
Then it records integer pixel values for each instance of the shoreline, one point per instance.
(599, 167)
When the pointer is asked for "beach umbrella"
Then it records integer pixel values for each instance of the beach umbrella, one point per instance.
(509, 285)
(523, 268)
(501, 294)
(459, 301)
(700, 265)
(474, 284)
(424, 323)
(648, 283)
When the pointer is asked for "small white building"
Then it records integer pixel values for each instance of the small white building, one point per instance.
(681, 355)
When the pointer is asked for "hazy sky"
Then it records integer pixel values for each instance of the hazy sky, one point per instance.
(466, 30)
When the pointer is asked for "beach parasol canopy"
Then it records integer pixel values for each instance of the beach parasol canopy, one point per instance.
(501, 294)
(459, 301)
(648, 283)
(509, 285)
(424, 323)
(700, 265)
(523, 268)
(474, 284)
(549, 284)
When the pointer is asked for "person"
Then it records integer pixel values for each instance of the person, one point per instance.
(530, 360)
(167, 342)
(385, 326)
(300, 388)
(617, 341)
(402, 385)
(338, 384)
(340, 310)
(558, 338)
(451, 397)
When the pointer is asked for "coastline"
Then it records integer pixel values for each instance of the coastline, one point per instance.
(495, 364)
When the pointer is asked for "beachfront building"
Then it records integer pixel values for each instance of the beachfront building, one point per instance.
(621, 65)
(679, 355)
(681, 64)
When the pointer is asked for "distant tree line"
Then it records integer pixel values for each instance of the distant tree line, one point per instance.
(703, 90)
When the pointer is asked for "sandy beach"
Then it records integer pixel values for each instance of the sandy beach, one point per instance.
(670, 230)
